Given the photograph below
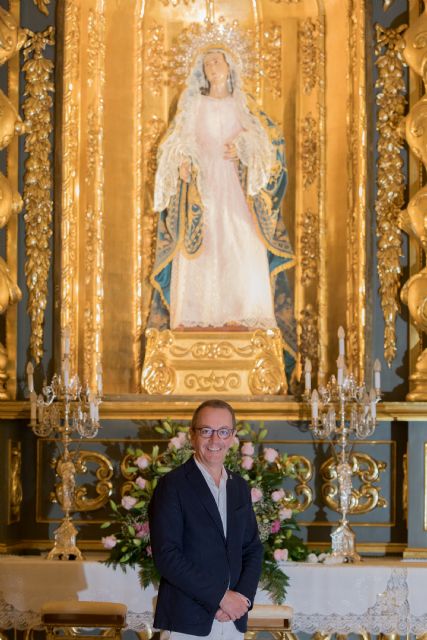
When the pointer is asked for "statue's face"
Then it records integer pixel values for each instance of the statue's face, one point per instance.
(215, 67)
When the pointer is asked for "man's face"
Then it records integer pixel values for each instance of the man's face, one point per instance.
(212, 451)
(216, 67)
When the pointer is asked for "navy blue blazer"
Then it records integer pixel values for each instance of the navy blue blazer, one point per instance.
(196, 562)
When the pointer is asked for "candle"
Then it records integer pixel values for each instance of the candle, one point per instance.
(340, 365)
(91, 407)
(30, 377)
(33, 406)
(341, 341)
(66, 371)
(314, 405)
(96, 413)
(377, 375)
(66, 335)
(99, 378)
(307, 374)
(373, 398)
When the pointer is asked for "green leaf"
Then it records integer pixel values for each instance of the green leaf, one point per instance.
(104, 525)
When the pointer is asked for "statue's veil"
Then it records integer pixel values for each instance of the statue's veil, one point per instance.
(253, 145)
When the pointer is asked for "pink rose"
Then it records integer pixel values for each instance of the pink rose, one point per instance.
(140, 482)
(175, 443)
(277, 495)
(275, 526)
(142, 462)
(256, 494)
(248, 449)
(142, 530)
(128, 502)
(285, 514)
(270, 454)
(247, 462)
(109, 542)
(280, 554)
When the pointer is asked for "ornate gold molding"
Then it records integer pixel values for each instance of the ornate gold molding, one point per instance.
(303, 497)
(103, 488)
(310, 247)
(271, 58)
(308, 35)
(390, 181)
(309, 336)
(248, 362)
(309, 150)
(37, 107)
(42, 6)
(366, 497)
(15, 481)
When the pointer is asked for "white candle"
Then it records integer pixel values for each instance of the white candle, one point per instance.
(67, 334)
(340, 365)
(30, 377)
(377, 375)
(66, 371)
(307, 374)
(99, 378)
(373, 397)
(341, 341)
(96, 413)
(33, 406)
(315, 405)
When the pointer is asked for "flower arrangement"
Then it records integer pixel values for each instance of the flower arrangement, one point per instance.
(264, 468)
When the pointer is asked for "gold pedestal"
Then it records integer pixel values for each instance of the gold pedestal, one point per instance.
(214, 362)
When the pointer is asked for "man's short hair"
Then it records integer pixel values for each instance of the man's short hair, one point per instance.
(215, 403)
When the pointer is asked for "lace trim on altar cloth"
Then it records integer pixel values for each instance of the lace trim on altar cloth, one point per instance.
(11, 618)
(247, 323)
(389, 614)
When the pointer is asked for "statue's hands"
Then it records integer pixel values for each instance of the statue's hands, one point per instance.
(221, 616)
(185, 170)
(230, 151)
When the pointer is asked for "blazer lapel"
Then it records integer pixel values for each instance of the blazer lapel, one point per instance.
(231, 503)
(200, 488)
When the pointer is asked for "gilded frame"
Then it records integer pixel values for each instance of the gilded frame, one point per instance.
(103, 277)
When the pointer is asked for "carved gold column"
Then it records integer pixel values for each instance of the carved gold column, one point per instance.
(11, 40)
(414, 219)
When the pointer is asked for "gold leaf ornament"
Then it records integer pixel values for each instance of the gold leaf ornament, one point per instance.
(9, 291)
(11, 36)
(10, 122)
(10, 201)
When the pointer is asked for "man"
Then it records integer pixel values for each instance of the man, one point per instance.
(204, 537)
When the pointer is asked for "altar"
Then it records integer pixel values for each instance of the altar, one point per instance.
(376, 596)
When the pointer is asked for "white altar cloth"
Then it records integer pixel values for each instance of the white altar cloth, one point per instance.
(377, 596)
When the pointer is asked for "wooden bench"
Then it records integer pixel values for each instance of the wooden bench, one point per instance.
(70, 615)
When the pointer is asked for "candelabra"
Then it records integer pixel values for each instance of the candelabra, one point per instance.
(340, 410)
(65, 407)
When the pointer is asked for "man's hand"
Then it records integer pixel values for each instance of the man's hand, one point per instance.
(234, 605)
(221, 616)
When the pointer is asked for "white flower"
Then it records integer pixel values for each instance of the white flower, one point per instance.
(109, 542)
(128, 502)
(277, 495)
(312, 558)
(142, 462)
(270, 454)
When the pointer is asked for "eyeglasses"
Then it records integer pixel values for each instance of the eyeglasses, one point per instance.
(207, 432)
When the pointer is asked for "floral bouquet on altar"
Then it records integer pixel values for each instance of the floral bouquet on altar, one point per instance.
(264, 469)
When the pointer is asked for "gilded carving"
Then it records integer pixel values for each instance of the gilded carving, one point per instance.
(38, 180)
(12, 37)
(212, 382)
(266, 377)
(310, 247)
(15, 481)
(366, 497)
(391, 102)
(3, 373)
(10, 122)
(309, 150)
(103, 488)
(271, 58)
(42, 6)
(10, 201)
(70, 148)
(309, 336)
(302, 496)
(155, 59)
(9, 290)
(308, 42)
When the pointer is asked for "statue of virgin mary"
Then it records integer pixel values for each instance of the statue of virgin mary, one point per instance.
(222, 246)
